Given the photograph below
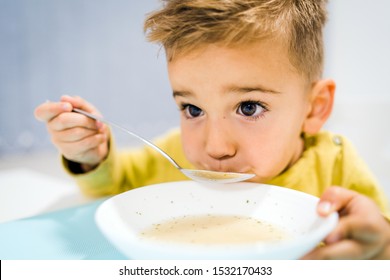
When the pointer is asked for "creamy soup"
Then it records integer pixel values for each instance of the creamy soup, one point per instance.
(215, 175)
(213, 229)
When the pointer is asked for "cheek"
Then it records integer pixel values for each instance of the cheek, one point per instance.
(191, 144)
(271, 150)
(259, 153)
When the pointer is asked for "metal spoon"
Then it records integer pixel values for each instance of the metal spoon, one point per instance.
(196, 175)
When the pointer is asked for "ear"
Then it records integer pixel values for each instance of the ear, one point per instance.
(320, 107)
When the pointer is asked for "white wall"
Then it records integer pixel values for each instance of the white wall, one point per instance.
(92, 48)
(358, 59)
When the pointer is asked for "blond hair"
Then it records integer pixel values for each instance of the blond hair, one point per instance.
(181, 26)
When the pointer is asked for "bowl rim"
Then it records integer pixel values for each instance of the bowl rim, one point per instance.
(326, 224)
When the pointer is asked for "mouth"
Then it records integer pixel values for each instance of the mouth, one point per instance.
(234, 174)
(225, 169)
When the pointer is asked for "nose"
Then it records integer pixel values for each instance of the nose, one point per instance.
(219, 143)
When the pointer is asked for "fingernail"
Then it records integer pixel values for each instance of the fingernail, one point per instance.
(66, 106)
(99, 124)
(324, 207)
(103, 137)
(333, 238)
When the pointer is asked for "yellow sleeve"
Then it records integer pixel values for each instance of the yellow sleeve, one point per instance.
(360, 178)
(123, 170)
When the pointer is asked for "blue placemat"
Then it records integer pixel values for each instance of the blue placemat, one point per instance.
(61, 235)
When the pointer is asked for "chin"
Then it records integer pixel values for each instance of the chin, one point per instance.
(258, 179)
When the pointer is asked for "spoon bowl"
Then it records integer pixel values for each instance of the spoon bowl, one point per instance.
(194, 174)
(215, 176)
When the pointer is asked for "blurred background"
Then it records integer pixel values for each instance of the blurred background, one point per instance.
(96, 49)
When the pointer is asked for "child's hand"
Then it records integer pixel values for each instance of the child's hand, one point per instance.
(78, 138)
(362, 232)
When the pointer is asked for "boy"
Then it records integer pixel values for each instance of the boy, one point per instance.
(246, 76)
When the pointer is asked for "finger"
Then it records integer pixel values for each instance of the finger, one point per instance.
(95, 155)
(74, 134)
(83, 147)
(71, 120)
(80, 103)
(49, 110)
(346, 249)
(354, 227)
(334, 199)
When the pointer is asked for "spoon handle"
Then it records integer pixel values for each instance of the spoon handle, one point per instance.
(129, 132)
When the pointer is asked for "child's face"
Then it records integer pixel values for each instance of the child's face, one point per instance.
(242, 109)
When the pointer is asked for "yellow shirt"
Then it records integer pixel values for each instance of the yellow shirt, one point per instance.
(328, 160)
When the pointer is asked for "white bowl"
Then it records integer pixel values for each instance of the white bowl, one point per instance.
(123, 217)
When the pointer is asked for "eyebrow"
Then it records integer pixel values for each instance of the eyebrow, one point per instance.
(262, 89)
(232, 89)
(181, 93)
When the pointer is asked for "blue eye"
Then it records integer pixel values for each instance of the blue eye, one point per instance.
(192, 111)
(250, 109)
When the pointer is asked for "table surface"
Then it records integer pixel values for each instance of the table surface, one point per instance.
(43, 217)
(26, 193)
(60, 235)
